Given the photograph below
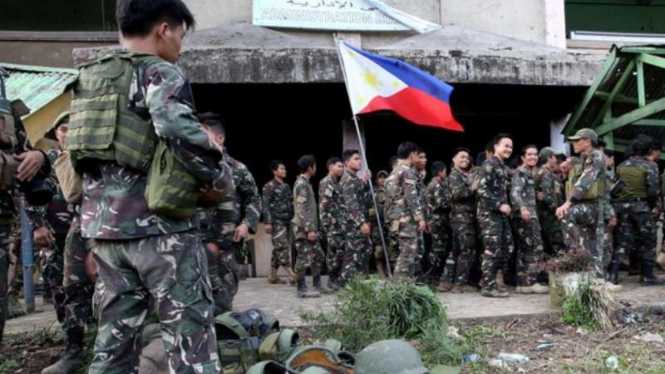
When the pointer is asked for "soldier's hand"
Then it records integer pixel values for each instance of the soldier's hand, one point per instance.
(505, 209)
(365, 229)
(526, 215)
(269, 229)
(367, 176)
(311, 236)
(612, 223)
(43, 237)
(422, 226)
(540, 196)
(240, 233)
(563, 210)
(31, 162)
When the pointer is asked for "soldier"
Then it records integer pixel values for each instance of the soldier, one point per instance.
(143, 255)
(356, 203)
(549, 197)
(380, 238)
(331, 211)
(493, 212)
(636, 200)
(421, 167)
(226, 226)
(277, 215)
(404, 211)
(582, 213)
(462, 220)
(13, 140)
(306, 227)
(438, 206)
(525, 217)
(74, 301)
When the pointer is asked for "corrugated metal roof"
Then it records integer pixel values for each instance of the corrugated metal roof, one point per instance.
(36, 86)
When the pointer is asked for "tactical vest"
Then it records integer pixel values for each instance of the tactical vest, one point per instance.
(634, 179)
(104, 122)
(597, 189)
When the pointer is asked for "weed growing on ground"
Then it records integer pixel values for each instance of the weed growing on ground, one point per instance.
(590, 306)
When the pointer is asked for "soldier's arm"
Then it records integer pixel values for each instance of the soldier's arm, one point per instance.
(486, 189)
(252, 201)
(547, 188)
(267, 197)
(413, 201)
(325, 205)
(459, 191)
(353, 201)
(653, 196)
(516, 190)
(289, 200)
(593, 166)
(302, 208)
(169, 101)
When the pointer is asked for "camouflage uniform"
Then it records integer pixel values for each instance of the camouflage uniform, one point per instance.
(463, 223)
(278, 212)
(422, 248)
(218, 226)
(549, 184)
(637, 197)
(403, 211)
(331, 212)
(493, 187)
(530, 242)
(356, 202)
(141, 254)
(438, 207)
(305, 220)
(582, 224)
(379, 257)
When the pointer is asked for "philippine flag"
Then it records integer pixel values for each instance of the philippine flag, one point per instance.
(379, 83)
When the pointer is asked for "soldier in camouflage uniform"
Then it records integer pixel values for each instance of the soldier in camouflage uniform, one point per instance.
(13, 140)
(635, 200)
(404, 212)
(142, 254)
(421, 168)
(277, 216)
(525, 218)
(356, 205)
(306, 228)
(493, 212)
(549, 195)
(462, 220)
(331, 213)
(438, 206)
(582, 213)
(378, 222)
(226, 226)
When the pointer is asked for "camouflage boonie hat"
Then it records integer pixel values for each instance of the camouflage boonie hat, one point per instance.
(584, 134)
(548, 152)
(382, 172)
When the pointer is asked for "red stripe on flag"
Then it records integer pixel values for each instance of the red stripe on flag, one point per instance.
(417, 107)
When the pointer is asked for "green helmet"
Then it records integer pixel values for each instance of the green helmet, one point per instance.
(389, 357)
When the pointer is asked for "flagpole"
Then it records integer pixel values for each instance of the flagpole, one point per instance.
(364, 156)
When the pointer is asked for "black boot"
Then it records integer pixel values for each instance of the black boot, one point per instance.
(303, 292)
(73, 356)
(320, 287)
(614, 273)
(647, 278)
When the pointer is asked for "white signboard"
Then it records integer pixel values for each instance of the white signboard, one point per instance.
(347, 15)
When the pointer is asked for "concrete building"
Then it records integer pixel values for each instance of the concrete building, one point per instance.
(513, 64)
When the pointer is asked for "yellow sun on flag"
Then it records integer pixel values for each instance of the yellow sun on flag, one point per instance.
(395, 84)
(371, 79)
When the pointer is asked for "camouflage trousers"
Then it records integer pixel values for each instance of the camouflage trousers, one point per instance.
(5, 240)
(310, 254)
(53, 263)
(171, 268)
(77, 286)
(636, 228)
(552, 232)
(498, 246)
(465, 245)
(408, 239)
(335, 254)
(441, 261)
(357, 252)
(281, 245)
(223, 270)
(581, 234)
(530, 250)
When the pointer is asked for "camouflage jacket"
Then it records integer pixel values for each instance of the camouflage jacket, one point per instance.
(462, 198)
(422, 193)
(277, 202)
(246, 201)
(493, 186)
(330, 205)
(380, 195)
(438, 201)
(58, 213)
(304, 203)
(402, 199)
(356, 201)
(649, 187)
(551, 187)
(593, 171)
(523, 191)
(114, 205)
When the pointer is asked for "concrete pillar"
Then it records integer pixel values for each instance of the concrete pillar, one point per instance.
(555, 23)
(557, 140)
